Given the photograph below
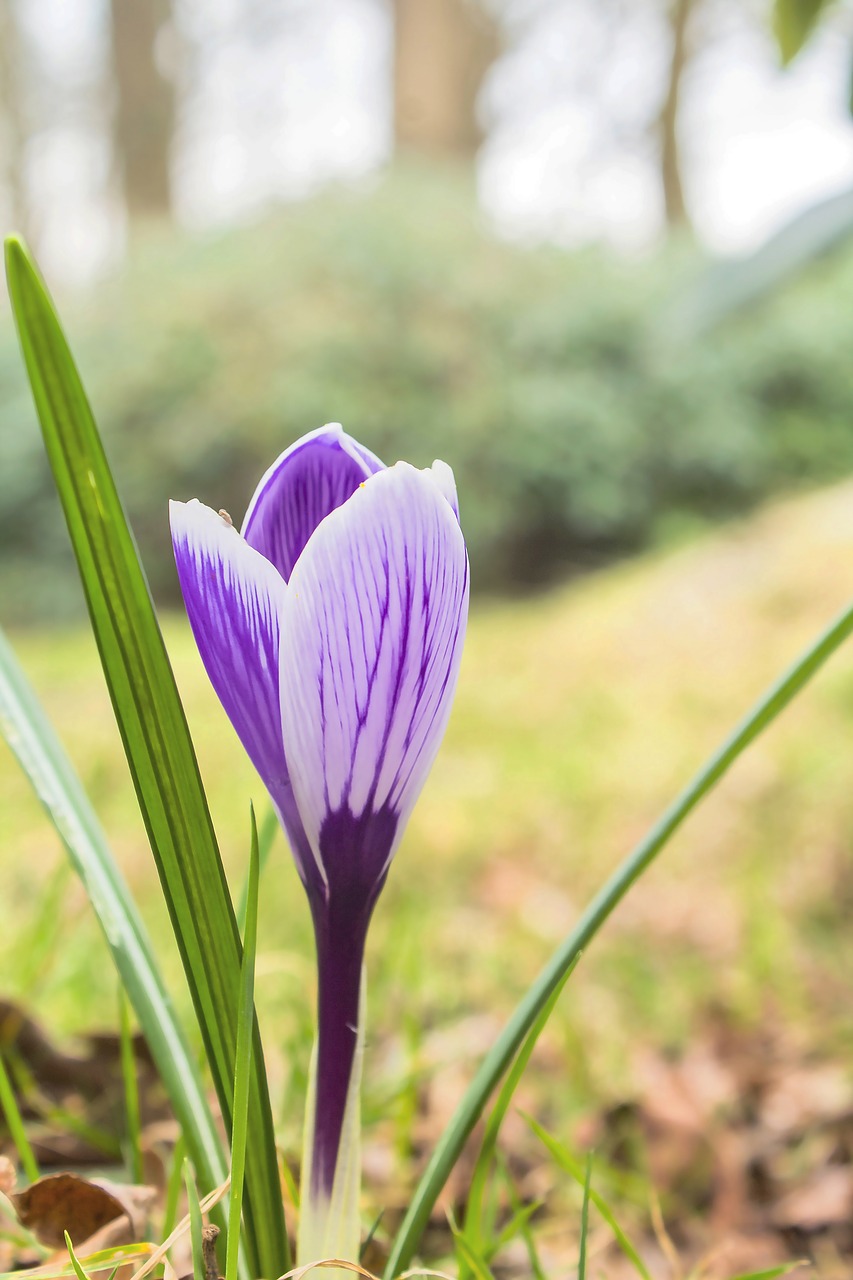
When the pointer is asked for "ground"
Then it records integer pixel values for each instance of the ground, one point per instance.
(703, 1046)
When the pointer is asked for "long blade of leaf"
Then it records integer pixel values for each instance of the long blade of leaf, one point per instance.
(267, 833)
(585, 1219)
(476, 1264)
(15, 1124)
(155, 737)
(473, 1229)
(244, 1057)
(131, 1092)
(506, 1046)
(78, 1270)
(196, 1224)
(40, 754)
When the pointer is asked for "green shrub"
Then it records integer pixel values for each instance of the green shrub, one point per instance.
(577, 428)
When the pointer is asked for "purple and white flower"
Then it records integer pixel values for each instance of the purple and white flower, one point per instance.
(331, 628)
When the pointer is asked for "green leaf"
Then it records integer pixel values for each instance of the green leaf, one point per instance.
(40, 754)
(120, 1255)
(266, 838)
(793, 23)
(729, 286)
(500, 1056)
(242, 1072)
(474, 1262)
(78, 1270)
(155, 737)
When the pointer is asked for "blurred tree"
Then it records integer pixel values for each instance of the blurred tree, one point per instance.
(13, 129)
(442, 51)
(145, 108)
(677, 217)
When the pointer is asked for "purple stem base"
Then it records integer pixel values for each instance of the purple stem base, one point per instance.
(354, 851)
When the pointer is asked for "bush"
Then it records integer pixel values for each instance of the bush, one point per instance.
(576, 428)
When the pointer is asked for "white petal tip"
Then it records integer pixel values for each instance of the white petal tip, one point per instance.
(443, 477)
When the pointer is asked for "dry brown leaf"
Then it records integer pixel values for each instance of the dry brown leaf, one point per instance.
(64, 1202)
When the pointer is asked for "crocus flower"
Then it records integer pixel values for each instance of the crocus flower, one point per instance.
(331, 628)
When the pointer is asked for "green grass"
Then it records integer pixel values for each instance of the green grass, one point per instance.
(578, 716)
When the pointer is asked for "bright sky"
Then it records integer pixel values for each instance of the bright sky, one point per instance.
(280, 108)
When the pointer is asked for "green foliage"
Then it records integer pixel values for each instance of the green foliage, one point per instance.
(524, 1018)
(577, 426)
(27, 730)
(793, 24)
(153, 729)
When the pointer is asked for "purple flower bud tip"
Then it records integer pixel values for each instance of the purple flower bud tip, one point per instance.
(331, 629)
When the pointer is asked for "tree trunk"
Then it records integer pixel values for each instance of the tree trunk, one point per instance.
(677, 217)
(145, 107)
(442, 51)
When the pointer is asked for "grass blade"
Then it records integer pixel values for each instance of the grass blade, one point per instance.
(575, 1169)
(196, 1223)
(118, 1256)
(155, 737)
(131, 1091)
(537, 1271)
(173, 1189)
(15, 1122)
(40, 754)
(266, 836)
(499, 1057)
(584, 1218)
(772, 1273)
(244, 1058)
(78, 1270)
(473, 1225)
(475, 1263)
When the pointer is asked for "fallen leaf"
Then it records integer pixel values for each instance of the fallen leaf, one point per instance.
(64, 1202)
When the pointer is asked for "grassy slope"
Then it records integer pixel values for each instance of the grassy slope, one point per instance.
(578, 715)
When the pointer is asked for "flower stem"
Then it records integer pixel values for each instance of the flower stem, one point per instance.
(329, 1224)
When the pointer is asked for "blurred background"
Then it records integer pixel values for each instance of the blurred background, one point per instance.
(597, 255)
(490, 230)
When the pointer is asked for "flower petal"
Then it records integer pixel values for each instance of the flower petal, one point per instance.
(372, 632)
(443, 476)
(234, 598)
(310, 479)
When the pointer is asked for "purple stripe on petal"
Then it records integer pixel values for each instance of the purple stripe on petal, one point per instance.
(233, 598)
(310, 479)
(372, 633)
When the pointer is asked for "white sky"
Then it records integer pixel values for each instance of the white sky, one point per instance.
(301, 95)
